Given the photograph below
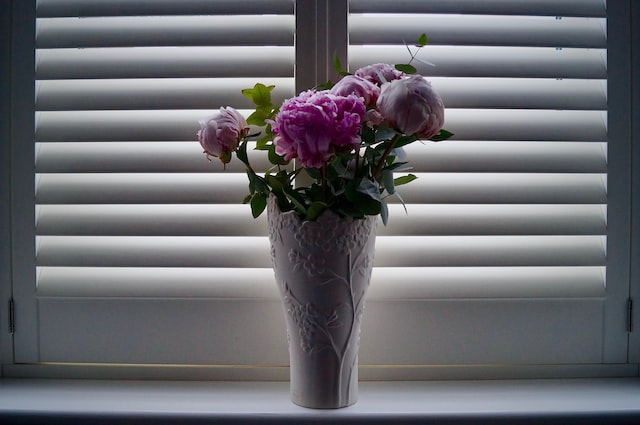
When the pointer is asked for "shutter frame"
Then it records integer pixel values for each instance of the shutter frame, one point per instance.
(423, 306)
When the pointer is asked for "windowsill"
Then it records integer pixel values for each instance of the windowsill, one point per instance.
(616, 401)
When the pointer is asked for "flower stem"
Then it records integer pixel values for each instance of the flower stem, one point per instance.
(385, 155)
(324, 181)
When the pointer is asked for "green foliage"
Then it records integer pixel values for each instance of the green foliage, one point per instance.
(353, 184)
(406, 68)
(422, 40)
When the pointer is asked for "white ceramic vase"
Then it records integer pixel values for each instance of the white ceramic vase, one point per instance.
(323, 269)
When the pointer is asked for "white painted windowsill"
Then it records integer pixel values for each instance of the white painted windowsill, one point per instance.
(607, 401)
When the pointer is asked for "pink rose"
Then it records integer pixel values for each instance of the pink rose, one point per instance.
(221, 133)
(379, 73)
(314, 126)
(352, 84)
(411, 106)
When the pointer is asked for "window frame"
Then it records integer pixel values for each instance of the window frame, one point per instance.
(626, 240)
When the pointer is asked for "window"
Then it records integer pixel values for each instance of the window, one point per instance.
(513, 259)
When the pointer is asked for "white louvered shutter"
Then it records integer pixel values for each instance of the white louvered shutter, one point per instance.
(136, 232)
(501, 256)
(145, 255)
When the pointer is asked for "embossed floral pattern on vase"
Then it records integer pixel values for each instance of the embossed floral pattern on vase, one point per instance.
(323, 268)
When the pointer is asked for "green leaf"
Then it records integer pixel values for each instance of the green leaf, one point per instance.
(314, 173)
(384, 133)
(443, 135)
(336, 62)
(404, 180)
(274, 182)
(370, 206)
(262, 144)
(384, 212)
(296, 199)
(260, 115)
(337, 65)
(258, 204)
(369, 188)
(387, 180)
(241, 153)
(405, 140)
(315, 209)
(259, 94)
(274, 158)
(406, 68)
(422, 40)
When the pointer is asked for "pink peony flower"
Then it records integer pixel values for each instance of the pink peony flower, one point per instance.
(221, 133)
(352, 84)
(411, 106)
(379, 73)
(314, 126)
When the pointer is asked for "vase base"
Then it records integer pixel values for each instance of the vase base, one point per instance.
(322, 406)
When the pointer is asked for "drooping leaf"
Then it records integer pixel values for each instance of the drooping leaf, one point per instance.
(387, 180)
(241, 153)
(384, 212)
(258, 204)
(405, 140)
(406, 68)
(443, 135)
(399, 181)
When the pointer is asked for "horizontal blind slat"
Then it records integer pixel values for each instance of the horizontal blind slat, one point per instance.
(229, 220)
(498, 188)
(386, 283)
(151, 188)
(120, 31)
(459, 156)
(396, 251)
(153, 93)
(152, 251)
(165, 62)
(522, 124)
(505, 251)
(167, 93)
(446, 188)
(490, 61)
(525, 93)
(467, 124)
(121, 125)
(508, 156)
(473, 283)
(595, 8)
(135, 157)
(58, 8)
(478, 30)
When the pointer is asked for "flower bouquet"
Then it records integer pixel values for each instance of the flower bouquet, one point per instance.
(345, 139)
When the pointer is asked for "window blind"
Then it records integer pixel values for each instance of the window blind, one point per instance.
(515, 204)
(121, 189)
(504, 239)
(145, 255)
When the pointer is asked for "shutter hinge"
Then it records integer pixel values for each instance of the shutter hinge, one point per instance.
(12, 317)
(630, 315)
